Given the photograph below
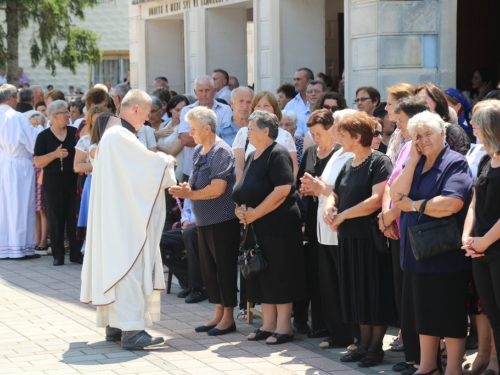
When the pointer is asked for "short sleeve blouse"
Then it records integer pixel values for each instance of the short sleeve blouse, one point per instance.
(284, 138)
(218, 163)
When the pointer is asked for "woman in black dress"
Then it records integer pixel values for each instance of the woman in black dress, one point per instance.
(313, 164)
(266, 190)
(55, 153)
(367, 297)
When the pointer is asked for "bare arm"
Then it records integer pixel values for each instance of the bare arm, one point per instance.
(272, 201)
(80, 164)
(469, 220)
(436, 207)
(239, 155)
(44, 160)
(212, 191)
(187, 140)
(173, 150)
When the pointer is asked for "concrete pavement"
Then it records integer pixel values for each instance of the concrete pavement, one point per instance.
(45, 330)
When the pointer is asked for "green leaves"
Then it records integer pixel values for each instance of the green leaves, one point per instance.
(54, 38)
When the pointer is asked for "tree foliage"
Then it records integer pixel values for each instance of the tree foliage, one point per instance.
(54, 37)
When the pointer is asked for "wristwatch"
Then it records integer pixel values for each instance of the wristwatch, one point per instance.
(414, 206)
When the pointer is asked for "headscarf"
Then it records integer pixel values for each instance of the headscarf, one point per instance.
(465, 116)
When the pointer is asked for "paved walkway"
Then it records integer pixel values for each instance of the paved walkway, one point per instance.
(45, 330)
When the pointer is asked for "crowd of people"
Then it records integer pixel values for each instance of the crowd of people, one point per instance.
(333, 199)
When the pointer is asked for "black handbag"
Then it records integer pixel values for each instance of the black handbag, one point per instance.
(434, 238)
(251, 260)
(382, 243)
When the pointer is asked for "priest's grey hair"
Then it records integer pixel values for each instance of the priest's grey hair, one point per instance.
(6, 92)
(55, 106)
(136, 97)
(203, 116)
(268, 120)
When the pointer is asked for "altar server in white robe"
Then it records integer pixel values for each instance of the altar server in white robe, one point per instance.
(17, 179)
(122, 272)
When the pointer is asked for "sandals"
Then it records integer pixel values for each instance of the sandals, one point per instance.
(281, 338)
(353, 347)
(397, 346)
(242, 315)
(260, 335)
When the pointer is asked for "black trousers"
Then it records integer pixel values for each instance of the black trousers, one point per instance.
(218, 245)
(190, 239)
(486, 271)
(301, 308)
(60, 208)
(186, 267)
(329, 282)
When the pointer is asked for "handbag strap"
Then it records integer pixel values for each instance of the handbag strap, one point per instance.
(254, 236)
(244, 240)
(421, 210)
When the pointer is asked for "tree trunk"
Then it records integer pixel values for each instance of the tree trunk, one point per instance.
(12, 19)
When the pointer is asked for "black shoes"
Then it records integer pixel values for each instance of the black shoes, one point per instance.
(113, 334)
(372, 358)
(204, 328)
(184, 293)
(58, 262)
(196, 295)
(218, 332)
(302, 328)
(78, 260)
(402, 366)
(409, 371)
(136, 340)
(354, 356)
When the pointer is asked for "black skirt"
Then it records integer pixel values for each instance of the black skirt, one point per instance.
(366, 284)
(435, 304)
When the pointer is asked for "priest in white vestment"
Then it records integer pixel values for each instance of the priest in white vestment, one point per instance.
(122, 272)
(17, 179)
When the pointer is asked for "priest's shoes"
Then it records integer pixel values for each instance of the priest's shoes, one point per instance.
(136, 340)
(113, 334)
(58, 262)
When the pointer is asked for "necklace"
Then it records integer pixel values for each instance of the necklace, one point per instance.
(362, 163)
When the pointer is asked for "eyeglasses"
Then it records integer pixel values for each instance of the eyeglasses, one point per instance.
(62, 113)
(361, 100)
(333, 108)
(377, 133)
(316, 91)
(153, 111)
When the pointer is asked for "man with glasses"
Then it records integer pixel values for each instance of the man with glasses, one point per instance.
(367, 99)
(299, 104)
(314, 91)
(17, 179)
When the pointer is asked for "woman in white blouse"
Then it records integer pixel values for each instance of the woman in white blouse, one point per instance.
(339, 334)
(263, 101)
(169, 141)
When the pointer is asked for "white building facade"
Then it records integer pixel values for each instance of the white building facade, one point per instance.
(263, 42)
(110, 20)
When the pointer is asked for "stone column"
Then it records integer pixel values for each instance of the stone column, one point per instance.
(399, 41)
(215, 39)
(138, 78)
(288, 35)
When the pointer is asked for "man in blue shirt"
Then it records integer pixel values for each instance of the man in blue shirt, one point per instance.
(241, 102)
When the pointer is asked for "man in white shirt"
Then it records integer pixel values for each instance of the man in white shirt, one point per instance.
(205, 92)
(221, 80)
(299, 104)
(3, 76)
(315, 89)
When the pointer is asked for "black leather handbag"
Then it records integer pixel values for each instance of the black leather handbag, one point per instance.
(251, 260)
(435, 238)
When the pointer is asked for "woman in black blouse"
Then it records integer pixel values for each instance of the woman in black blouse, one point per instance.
(366, 287)
(313, 164)
(265, 197)
(55, 153)
(481, 237)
